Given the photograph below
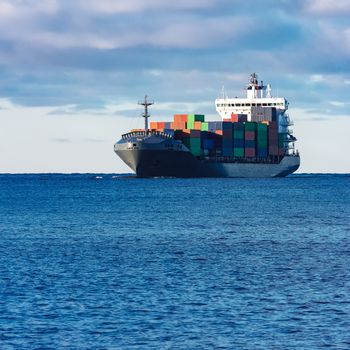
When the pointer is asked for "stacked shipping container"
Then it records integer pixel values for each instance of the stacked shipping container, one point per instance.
(273, 139)
(238, 139)
(250, 138)
(227, 139)
(235, 137)
(261, 137)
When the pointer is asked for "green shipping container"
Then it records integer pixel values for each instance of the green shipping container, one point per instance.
(238, 152)
(262, 140)
(195, 146)
(190, 125)
(262, 135)
(238, 134)
(261, 127)
(195, 118)
(205, 126)
(250, 126)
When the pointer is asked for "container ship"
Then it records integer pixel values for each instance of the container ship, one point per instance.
(253, 138)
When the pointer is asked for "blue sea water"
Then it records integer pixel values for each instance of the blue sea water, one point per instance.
(113, 262)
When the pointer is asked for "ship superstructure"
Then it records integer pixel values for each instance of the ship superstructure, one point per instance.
(257, 96)
(259, 99)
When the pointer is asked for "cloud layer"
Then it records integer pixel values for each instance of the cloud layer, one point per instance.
(62, 52)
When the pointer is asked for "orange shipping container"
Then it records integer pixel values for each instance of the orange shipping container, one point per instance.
(197, 125)
(153, 125)
(180, 118)
(218, 132)
(178, 125)
(160, 125)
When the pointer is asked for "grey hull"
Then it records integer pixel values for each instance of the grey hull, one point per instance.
(147, 163)
(154, 156)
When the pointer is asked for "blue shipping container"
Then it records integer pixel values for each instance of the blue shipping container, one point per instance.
(212, 126)
(205, 135)
(262, 152)
(227, 152)
(226, 126)
(249, 143)
(238, 126)
(227, 143)
(208, 144)
(238, 143)
(218, 125)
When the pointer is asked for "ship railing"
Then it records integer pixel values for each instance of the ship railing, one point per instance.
(145, 134)
(245, 160)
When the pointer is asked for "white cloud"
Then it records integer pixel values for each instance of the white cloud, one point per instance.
(180, 33)
(20, 9)
(316, 78)
(337, 103)
(333, 39)
(328, 7)
(121, 6)
(332, 80)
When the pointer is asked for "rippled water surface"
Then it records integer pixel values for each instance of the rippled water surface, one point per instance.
(124, 263)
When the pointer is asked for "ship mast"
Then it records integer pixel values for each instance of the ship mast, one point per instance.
(145, 114)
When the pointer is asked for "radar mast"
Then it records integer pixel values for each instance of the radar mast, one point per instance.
(146, 103)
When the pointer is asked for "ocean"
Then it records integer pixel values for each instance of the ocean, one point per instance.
(114, 262)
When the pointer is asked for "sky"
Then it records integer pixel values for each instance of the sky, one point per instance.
(71, 73)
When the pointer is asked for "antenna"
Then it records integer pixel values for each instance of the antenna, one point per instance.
(268, 91)
(145, 114)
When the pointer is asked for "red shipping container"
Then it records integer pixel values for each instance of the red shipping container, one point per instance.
(218, 132)
(161, 125)
(273, 150)
(181, 118)
(249, 135)
(234, 117)
(195, 133)
(249, 152)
